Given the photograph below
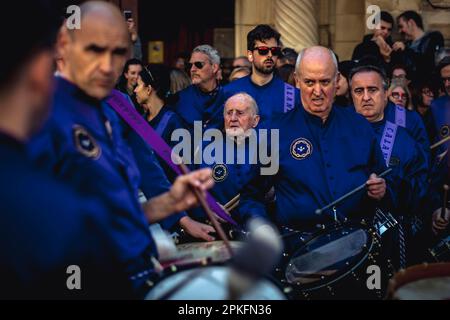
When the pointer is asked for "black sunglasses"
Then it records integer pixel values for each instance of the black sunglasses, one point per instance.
(197, 64)
(263, 50)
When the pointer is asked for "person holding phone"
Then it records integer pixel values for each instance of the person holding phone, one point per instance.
(137, 44)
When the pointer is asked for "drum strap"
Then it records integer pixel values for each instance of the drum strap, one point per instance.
(400, 116)
(388, 140)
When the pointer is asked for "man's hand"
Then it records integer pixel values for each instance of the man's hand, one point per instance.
(439, 224)
(132, 29)
(180, 197)
(196, 229)
(385, 49)
(376, 187)
(398, 46)
(181, 194)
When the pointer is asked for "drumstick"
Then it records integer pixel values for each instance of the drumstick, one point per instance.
(209, 212)
(437, 144)
(344, 197)
(232, 201)
(444, 205)
(234, 206)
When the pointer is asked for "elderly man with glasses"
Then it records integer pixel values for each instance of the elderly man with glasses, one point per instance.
(272, 94)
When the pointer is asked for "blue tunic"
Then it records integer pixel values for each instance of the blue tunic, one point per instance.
(318, 164)
(230, 176)
(440, 109)
(274, 98)
(195, 105)
(414, 125)
(82, 145)
(45, 227)
(410, 170)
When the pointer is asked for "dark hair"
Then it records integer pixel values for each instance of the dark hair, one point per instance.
(369, 68)
(289, 55)
(131, 62)
(39, 34)
(261, 32)
(158, 76)
(412, 15)
(387, 17)
(400, 66)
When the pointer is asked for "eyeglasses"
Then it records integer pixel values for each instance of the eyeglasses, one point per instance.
(445, 79)
(263, 50)
(398, 95)
(428, 92)
(198, 64)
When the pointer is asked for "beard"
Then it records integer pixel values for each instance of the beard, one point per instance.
(265, 69)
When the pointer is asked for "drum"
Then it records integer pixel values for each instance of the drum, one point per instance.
(421, 282)
(337, 262)
(201, 253)
(209, 283)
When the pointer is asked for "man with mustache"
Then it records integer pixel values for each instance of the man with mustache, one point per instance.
(272, 94)
(83, 142)
(203, 100)
(324, 152)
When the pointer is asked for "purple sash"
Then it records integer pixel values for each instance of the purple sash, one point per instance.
(400, 116)
(387, 141)
(289, 97)
(148, 134)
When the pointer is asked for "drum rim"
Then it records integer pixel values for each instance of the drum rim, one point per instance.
(268, 278)
(335, 225)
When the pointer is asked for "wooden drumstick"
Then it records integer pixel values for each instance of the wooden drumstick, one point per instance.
(437, 144)
(351, 193)
(209, 212)
(444, 204)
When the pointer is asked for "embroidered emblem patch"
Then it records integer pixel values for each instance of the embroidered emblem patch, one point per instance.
(220, 172)
(445, 130)
(301, 149)
(85, 143)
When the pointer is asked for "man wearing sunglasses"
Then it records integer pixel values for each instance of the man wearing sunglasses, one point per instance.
(203, 100)
(272, 94)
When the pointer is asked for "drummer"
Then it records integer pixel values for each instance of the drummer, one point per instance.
(324, 152)
(231, 174)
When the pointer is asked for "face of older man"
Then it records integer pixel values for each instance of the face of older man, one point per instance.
(95, 55)
(445, 76)
(239, 116)
(203, 71)
(369, 95)
(317, 80)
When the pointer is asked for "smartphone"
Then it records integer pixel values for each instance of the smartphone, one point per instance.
(128, 14)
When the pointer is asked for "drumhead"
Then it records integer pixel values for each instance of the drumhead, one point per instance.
(203, 253)
(209, 283)
(328, 256)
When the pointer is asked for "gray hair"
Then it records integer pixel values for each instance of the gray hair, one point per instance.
(212, 53)
(302, 53)
(252, 103)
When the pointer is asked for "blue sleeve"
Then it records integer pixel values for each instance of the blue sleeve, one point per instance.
(252, 201)
(421, 136)
(153, 179)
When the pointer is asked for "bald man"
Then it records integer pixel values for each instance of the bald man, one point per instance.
(324, 153)
(234, 170)
(83, 141)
